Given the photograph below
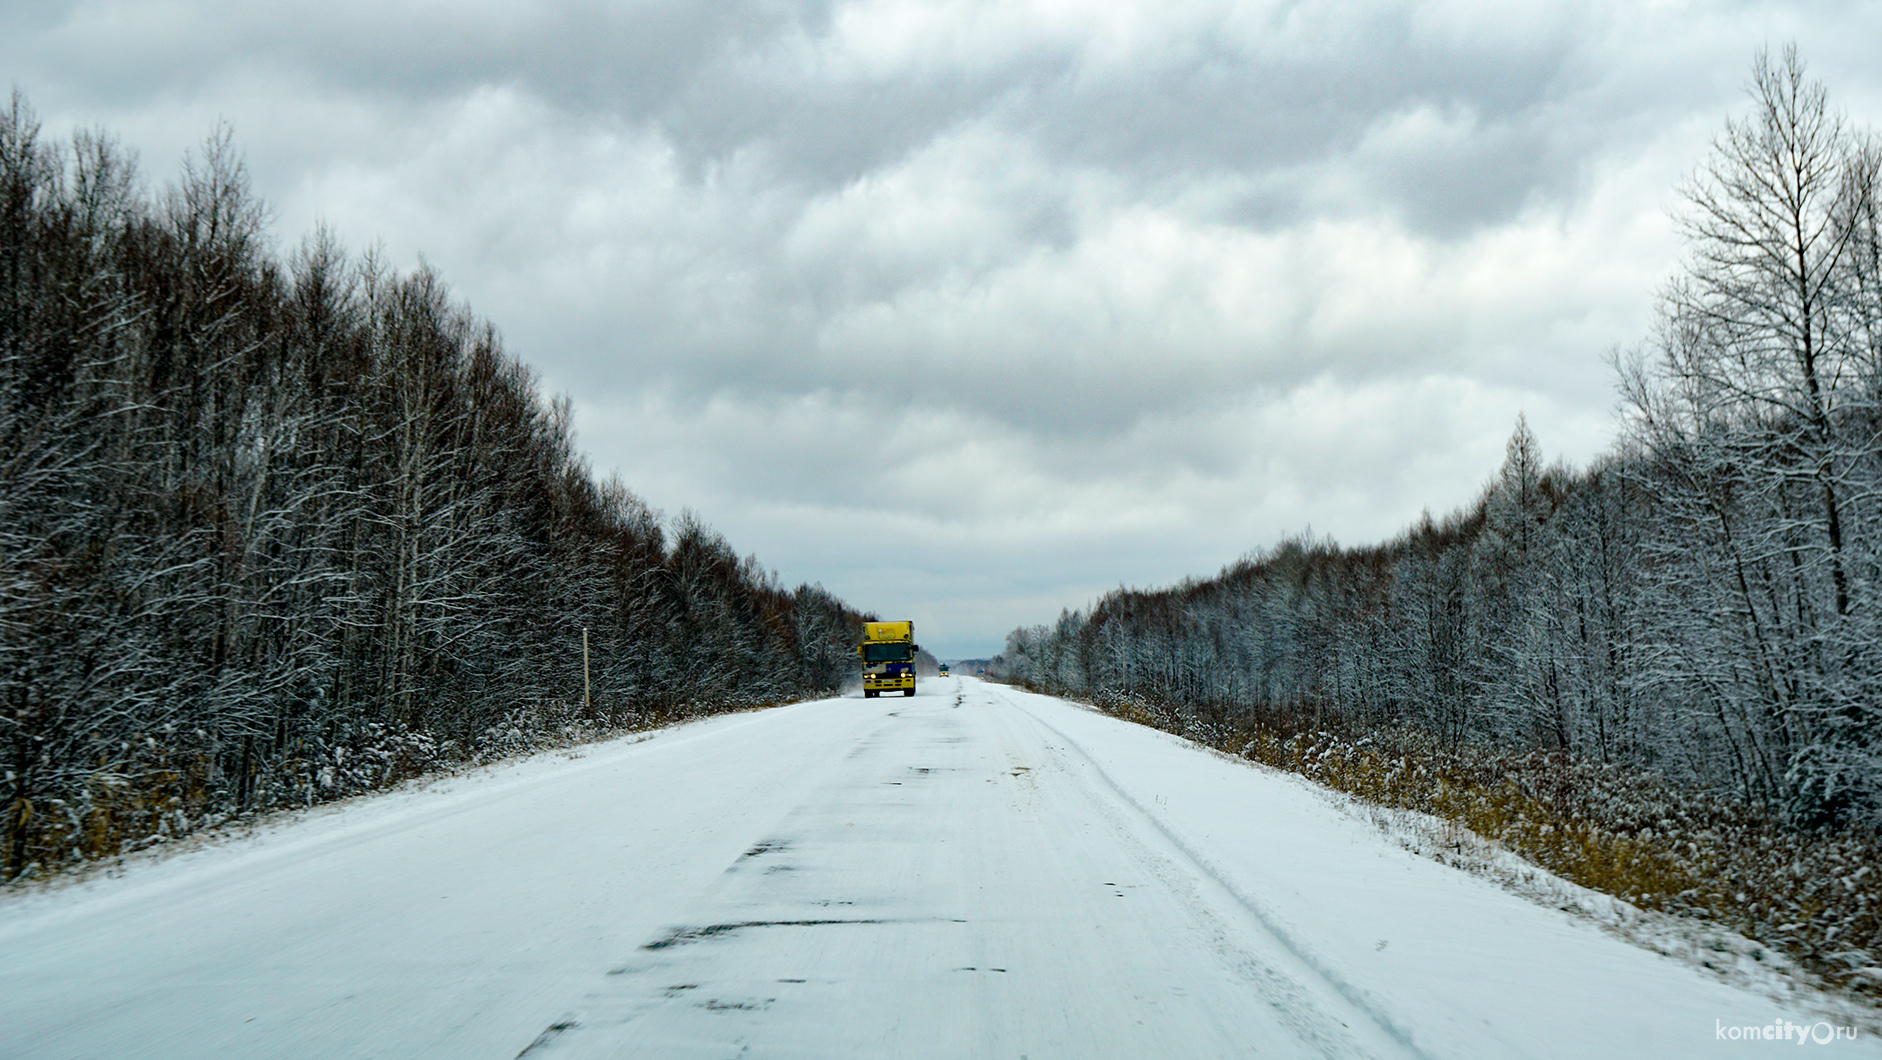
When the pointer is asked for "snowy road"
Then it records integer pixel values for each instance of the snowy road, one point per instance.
(974, 872)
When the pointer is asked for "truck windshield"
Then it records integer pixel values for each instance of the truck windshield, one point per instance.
(876, 653)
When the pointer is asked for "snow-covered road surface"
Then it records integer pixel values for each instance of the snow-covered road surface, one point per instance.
(973, 872)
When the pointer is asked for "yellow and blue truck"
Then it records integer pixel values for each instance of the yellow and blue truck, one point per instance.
(888, 652)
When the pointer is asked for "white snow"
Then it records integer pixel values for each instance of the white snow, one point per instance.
(972, 872)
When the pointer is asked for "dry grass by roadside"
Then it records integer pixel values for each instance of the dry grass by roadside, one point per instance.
(153, 797)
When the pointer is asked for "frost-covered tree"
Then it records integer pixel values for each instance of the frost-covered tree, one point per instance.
(1701, 601)
(272, 531)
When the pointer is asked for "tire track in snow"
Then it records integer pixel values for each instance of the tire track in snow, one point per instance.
(967, 851)
(1203, 869)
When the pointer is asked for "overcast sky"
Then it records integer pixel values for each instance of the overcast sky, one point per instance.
(973, 311)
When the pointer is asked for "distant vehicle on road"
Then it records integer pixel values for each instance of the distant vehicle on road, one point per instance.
(944, 669)
(888, 652)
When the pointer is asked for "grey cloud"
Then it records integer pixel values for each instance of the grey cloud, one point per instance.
(1212, 104)
(582, 54)
(1133, 305)
(721, 77)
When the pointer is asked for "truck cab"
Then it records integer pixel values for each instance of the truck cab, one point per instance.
(888, 653)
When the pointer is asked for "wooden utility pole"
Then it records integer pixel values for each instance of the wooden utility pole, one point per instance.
(584, 669)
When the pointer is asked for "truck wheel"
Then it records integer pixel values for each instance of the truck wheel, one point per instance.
(908, 691)
(869, 693)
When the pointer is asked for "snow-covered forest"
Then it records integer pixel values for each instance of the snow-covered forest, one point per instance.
(273, 531)
(1704, 601)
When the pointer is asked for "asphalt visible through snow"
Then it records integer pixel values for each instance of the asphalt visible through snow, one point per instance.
(971, 872)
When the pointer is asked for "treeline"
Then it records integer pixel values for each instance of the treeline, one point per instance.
(1702, 602)
(276, 531)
